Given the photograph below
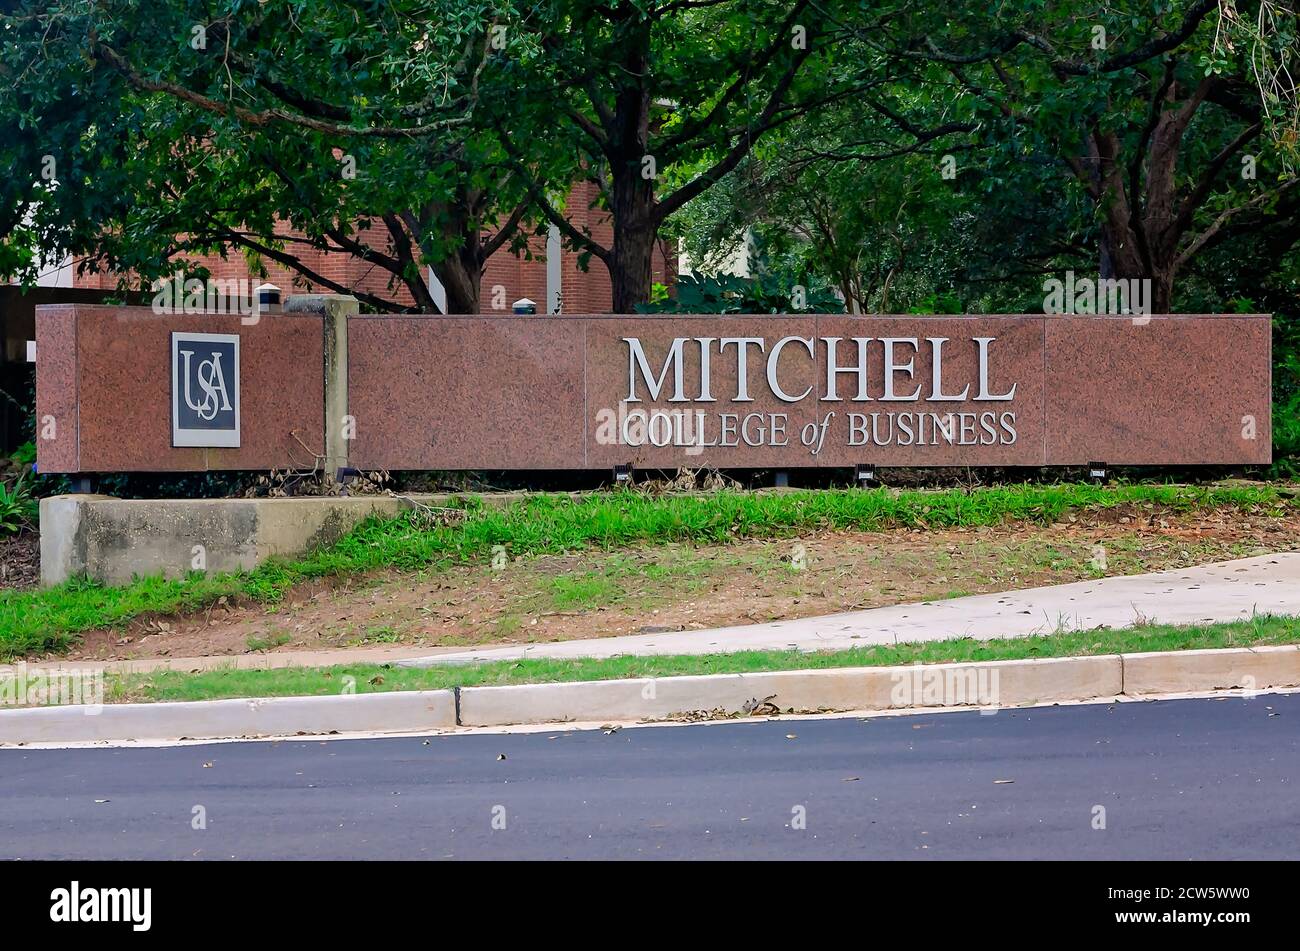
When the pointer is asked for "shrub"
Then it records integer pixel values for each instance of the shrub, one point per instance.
(18, 506)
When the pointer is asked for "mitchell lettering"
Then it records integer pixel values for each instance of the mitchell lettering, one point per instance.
(887, 365)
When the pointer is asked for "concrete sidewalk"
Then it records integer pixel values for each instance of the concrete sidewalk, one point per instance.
(1226, 591)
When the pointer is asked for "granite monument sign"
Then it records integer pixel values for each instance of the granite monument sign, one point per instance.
(124, 389)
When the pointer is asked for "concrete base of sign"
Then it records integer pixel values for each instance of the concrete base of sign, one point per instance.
(113, 540)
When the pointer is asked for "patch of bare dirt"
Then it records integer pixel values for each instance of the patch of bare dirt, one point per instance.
(679, 587)
(20, 560)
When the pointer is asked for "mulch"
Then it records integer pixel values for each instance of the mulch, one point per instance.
(20, 560)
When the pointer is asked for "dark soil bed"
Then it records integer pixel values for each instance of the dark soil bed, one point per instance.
(20, 560)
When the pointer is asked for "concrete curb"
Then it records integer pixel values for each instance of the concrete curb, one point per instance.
(1179, 671)
(223, 719)
(986, 684)
(1009, 682)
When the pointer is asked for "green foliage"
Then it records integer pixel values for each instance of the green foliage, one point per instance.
(25, 454)
(915, 157)
(48, 619)
(18, 506)
(180, 128)
(727, 294)
(939, 302)
(1286, 437)
(1286, 414)
(967, 162)
(887, 150)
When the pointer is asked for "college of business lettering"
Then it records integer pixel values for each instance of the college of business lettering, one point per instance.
(855, 367)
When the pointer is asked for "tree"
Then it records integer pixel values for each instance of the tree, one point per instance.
(185, 126)
(50, 137)
(663, 98)
(895, 199)
(1157, 120)
(351, 123)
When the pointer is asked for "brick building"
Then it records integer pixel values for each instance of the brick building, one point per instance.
(550, 277)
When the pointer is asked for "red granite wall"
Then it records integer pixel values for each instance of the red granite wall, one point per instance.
(1153, 390)
(476, 392)
(1187, 389)
(508, 392)
(103, 374)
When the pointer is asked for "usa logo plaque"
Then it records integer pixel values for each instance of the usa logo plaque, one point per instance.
(205, 390)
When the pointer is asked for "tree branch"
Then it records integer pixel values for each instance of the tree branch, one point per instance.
(266, 117)
(491, 245)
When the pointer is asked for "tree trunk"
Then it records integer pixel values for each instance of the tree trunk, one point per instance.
(851, 302)
(461, 272)
(1141, 232)
(1105, 260)
(461, 281)
(1162, 291)
(632, 202)
(1119, 261)
(631, 266)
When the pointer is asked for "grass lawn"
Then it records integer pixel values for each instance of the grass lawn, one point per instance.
(369, 678)
(40, 621)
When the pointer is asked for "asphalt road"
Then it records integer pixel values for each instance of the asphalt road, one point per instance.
(1177, 779)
